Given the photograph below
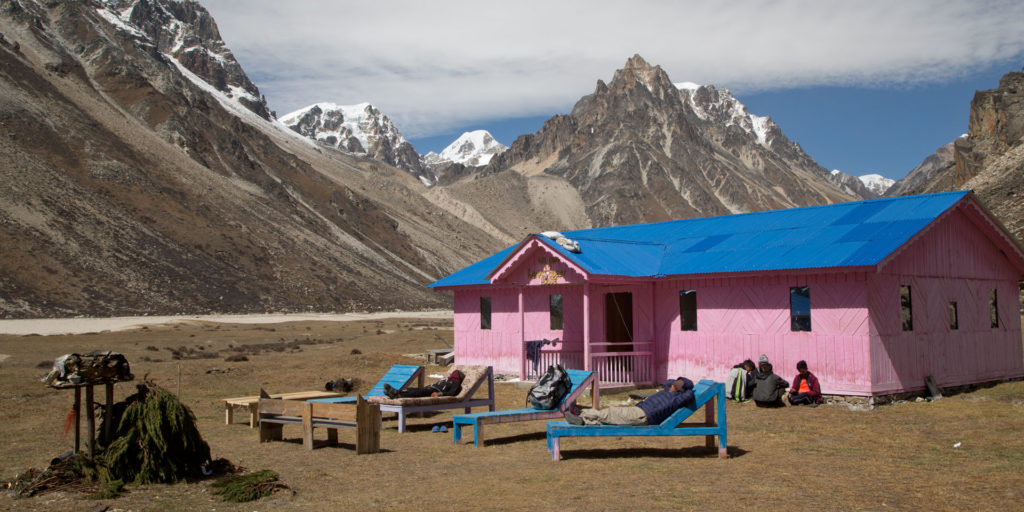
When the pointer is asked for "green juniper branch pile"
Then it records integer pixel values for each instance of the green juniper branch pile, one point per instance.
(154, 440)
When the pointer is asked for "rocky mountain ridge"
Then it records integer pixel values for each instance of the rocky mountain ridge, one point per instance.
(141, 178)
(988, 159)
(134, 184)
(641, 149)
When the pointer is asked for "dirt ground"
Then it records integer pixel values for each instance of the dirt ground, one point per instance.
(903, 456)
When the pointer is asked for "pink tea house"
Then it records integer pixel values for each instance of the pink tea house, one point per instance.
(874, 295)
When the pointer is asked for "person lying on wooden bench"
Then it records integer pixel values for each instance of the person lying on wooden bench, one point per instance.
(652, 411)
(449, 386)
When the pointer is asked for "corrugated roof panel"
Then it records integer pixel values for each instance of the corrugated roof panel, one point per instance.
(861, 213)
(475, 273)
(707, 243)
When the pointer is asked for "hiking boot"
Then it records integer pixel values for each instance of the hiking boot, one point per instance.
(573, 419)
(390, 391)
(573, 408)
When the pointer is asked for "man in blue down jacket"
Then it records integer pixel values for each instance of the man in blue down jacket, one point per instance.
(652, 411)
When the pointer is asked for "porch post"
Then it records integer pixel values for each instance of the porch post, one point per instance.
(586, 325)
(522, 337)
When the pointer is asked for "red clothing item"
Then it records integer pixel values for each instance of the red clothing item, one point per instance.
(811, 383)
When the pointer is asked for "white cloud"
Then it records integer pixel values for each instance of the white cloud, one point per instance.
(434, 65)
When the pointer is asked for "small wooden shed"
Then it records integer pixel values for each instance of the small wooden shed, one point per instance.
(874, 295)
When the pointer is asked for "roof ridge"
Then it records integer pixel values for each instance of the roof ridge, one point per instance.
(761, 212)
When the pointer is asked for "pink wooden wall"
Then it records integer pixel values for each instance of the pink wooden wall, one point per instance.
(953, 261)
(743, 317)
(531, 270)
(500, 346)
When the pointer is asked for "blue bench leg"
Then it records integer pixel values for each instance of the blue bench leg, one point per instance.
(476, 435)
(456, 432)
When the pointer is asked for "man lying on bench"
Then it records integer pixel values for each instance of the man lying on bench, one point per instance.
(449, 386)
(652, 411)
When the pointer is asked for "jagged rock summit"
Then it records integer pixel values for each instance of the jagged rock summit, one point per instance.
(988, 159)
(187, 33)
(642, 149)
(359, 129)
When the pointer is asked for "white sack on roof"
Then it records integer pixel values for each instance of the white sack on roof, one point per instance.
(560, 239)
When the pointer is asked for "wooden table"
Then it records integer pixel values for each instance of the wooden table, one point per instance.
(90, 414)
(435, 354)
(251, 403)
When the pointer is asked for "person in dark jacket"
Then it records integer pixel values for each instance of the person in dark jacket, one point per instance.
(652, 411)
(806, 390)
(449, 386)
(768, 387)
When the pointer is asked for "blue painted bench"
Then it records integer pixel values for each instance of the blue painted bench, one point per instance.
(475, 377)
(707, 393)
(580, 379)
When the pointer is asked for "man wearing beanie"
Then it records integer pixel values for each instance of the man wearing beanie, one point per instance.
(768, 387)
(652, 411)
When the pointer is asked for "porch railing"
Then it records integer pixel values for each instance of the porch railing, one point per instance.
(533, 369)
(615, 363)
(623, 363)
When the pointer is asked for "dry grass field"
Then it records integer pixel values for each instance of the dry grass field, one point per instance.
(895, 457)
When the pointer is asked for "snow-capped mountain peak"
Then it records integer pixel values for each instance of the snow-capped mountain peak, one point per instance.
(473, 149)
(720, 105)
(352, 128)
(358, 129)
(876, 183)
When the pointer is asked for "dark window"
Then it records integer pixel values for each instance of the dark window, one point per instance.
(954, 319)
(485, 312)
(800, 308)
(688, 310)
(906, 311)
(993, 309)
(555, 308)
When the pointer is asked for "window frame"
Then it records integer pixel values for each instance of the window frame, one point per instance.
(684, 325)
(906, 308)
(485, 319)
(993, 308)
(552, 315)
(954, 316)
(796, 321)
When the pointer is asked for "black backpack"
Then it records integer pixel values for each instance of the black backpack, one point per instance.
(549, 390)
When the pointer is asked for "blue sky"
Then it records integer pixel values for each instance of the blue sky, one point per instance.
(865, 87)
(885, 130)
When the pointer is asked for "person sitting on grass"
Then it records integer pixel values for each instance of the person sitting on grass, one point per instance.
(768, 387)
(740, 382)
(449, 386)
(652, 411)
(806, 390)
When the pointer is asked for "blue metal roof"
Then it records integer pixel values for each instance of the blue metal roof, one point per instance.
(859, 233)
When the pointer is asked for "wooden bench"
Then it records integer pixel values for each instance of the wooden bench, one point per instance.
(364, 417)
(250, 403)
(706, 393)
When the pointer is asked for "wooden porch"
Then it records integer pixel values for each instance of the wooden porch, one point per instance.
(616, 364)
